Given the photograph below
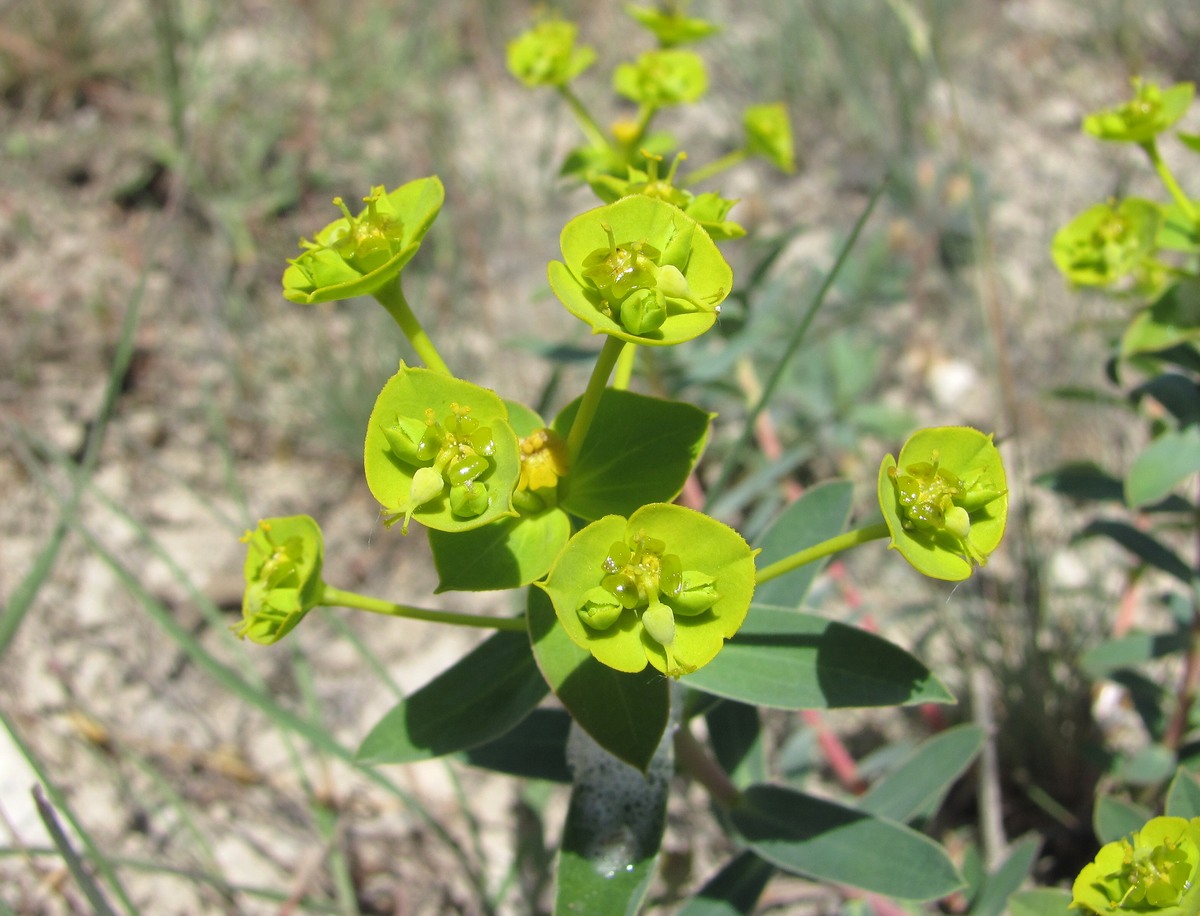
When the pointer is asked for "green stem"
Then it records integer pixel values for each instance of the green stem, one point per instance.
(705, 172)
(391, 297)
(336, 597)
(822, 550)
(591, 396)
(624, 371)
(646, 114)
(587, 123)
(1150, 147)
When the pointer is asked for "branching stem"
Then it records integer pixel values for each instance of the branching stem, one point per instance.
(336, 597)
(591, 396)
(391, 297)
(822, 550)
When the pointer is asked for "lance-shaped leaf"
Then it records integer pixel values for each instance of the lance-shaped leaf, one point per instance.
(358, 254)
(641, 269)
(440, 450)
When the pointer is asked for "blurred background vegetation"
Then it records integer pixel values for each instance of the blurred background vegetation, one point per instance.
(161, 159)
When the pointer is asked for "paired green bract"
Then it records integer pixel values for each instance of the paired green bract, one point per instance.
(1151, 111)
(665, 587)
(1156, 870)
(547, 55)
(658, 79)
(1108, 242)
(283, 577)
(441, 450)
(642, 270)
(357, 255)
(945, 500)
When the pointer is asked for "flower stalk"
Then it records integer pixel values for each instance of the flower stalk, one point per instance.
(336, 597)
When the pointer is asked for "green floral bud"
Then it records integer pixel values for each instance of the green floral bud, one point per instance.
(599, 609)
(945, 500)
(670, 26)
(769, 134)
(662, 78)
(644, 564)
(643, 311)
(1151, 111)
(546, 55)
(615, 251)
(283, 577)
(468, 500)
(1156, 870)
(357, 254)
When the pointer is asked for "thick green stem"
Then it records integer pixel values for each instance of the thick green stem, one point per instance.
(391, 297)
(336, 597)
(1165, 175)
(587, 123)
(591, 396)
(822, 550)
(705, 172)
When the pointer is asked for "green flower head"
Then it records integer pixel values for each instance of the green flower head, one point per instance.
(643, 270)
(769, 134)
(356, 255)
(672, 27)
(440, 450)
(283, 577)
(546, 55)
(1109, 242)
(945, 500)
(667, 586)
(1151, 111)
(659, 79)
(1156, 870)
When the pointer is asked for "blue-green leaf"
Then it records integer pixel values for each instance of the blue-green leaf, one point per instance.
(1043, 901)
(1183, 797)
(789, 660)
(919, 784)
(535, 748)
(1163, 464)
(734, 890)
(1113, 819)
(1000, 885)
(481, 697)
(820, 839)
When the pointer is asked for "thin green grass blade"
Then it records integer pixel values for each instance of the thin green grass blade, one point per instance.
(735, 454)
(83, 879)
(59, 801)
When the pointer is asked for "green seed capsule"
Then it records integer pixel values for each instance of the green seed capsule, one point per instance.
(466, 426)
(599, 609)
(957, 522)
(623, 588)
(659, 622)
(431, 443)
(404, 439)
(976, 499)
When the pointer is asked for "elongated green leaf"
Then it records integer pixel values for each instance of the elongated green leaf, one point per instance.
(1163, 465)
(1146, 548)
(820, 839)
(535, 748)
(505, 554)
(638, 450)
(625, 714)
(479, 698)
(789, 660)
(734, 890)
(1174, 319)
(1113, 819)
(614, 828)
(1177, 393)
(1084, 480)
(919, 784)
(1130, 651)
(1044, 901)
(816, 516)
(1183, 798)
(1001, 884)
